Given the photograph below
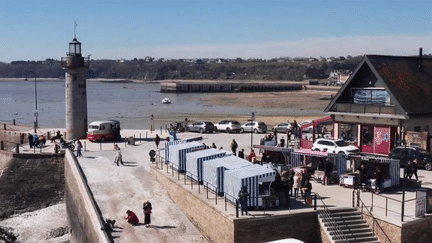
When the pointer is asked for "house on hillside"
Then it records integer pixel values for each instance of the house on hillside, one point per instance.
(385, 102)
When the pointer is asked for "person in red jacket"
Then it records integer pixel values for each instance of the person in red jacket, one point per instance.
(251, 155)
(132, 218)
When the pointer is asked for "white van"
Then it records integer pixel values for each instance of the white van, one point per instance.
(103, 130)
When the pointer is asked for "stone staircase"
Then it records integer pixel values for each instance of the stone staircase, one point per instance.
(346, 225)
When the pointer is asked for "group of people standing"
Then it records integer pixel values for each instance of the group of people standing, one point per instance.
(132, 218)
(296, 182)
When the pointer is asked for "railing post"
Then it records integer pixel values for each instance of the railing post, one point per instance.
(216, 197)
(372, 203)
(358, 198)
(353, 199)
(207, 190)
(225, 202)
(237, 208)
(386, 205)
(315, 201)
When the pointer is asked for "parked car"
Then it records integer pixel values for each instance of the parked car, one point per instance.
(228, 126)
(201, 126)
(283, 127)
(406, 154)
(334, 146)
(254, 126)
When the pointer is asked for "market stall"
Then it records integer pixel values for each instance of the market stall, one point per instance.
(390, 170)
(276, 155)
(256, 178)
(177, 153)
(214, 170)
(310, 160)
(195, 160)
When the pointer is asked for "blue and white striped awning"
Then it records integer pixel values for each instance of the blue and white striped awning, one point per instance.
(213, 170)
(195, 160)
(250, 177)
(177, 153)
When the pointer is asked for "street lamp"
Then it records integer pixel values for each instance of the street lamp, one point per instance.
(36, 110)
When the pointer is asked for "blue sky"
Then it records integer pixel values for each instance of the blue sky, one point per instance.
(115, 29)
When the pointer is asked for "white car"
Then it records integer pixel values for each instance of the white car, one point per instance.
(228, 126)
(254, 126)
(334, 146)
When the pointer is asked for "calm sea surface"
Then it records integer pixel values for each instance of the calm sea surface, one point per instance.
(130, 103)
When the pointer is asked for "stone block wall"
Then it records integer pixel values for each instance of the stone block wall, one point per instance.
(213, 225)
(217, 227)
(418, 231)
(84, 216)
(302, 226)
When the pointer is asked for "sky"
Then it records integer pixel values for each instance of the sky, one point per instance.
(127, 29)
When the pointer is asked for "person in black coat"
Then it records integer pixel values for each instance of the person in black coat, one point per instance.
(241, 154)
(243, 197)
(328, 169)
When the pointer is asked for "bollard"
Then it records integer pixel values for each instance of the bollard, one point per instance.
(161, 129)
(14, 122)
(17, 149)
(126, 140)
(2, 145)
(4, 126)
(84, 145)
(100, 146)
(146, 136)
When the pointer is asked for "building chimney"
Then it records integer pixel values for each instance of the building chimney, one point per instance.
(420, 57)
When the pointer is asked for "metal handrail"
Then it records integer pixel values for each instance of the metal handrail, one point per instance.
(327, 215)
(374, 219)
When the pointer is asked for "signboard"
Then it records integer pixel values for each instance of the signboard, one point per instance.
(420, 203)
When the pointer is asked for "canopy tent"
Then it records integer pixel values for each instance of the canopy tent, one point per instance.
(338, 160)
(213, 170)
(177, 153)
(251, 177)
(285, 152)
(391, 170)
(194, 161)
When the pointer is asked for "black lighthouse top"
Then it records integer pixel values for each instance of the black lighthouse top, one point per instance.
(74, 48)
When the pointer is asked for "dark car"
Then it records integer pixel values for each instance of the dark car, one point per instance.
(406, 154)
(201, 126)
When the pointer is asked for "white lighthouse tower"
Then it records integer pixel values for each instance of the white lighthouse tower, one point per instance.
(76, 91)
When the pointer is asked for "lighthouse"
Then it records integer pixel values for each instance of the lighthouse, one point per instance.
(75, 67)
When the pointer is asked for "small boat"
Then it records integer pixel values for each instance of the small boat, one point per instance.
(166, 101)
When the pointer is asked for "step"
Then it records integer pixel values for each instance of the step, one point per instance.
(359, 235)
(351, 217)
(364, 239)
(342, 223)
(349, 227)
(355, 230)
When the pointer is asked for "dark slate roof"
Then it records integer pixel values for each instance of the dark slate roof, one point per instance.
(410, 84)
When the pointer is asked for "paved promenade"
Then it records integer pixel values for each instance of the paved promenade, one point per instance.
(120, 188)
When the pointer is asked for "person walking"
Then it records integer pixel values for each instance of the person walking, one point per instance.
(234, 146)
(30, 138)
(147, 207)
(157, 140)
(131, 218)
(243, 198)
(241, 153)
(414, 168)
(297, 183)
(79, 148)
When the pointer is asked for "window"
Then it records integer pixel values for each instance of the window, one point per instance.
(102, 127)
(371, 96)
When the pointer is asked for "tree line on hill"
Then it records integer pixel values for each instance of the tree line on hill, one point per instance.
(295, 69)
